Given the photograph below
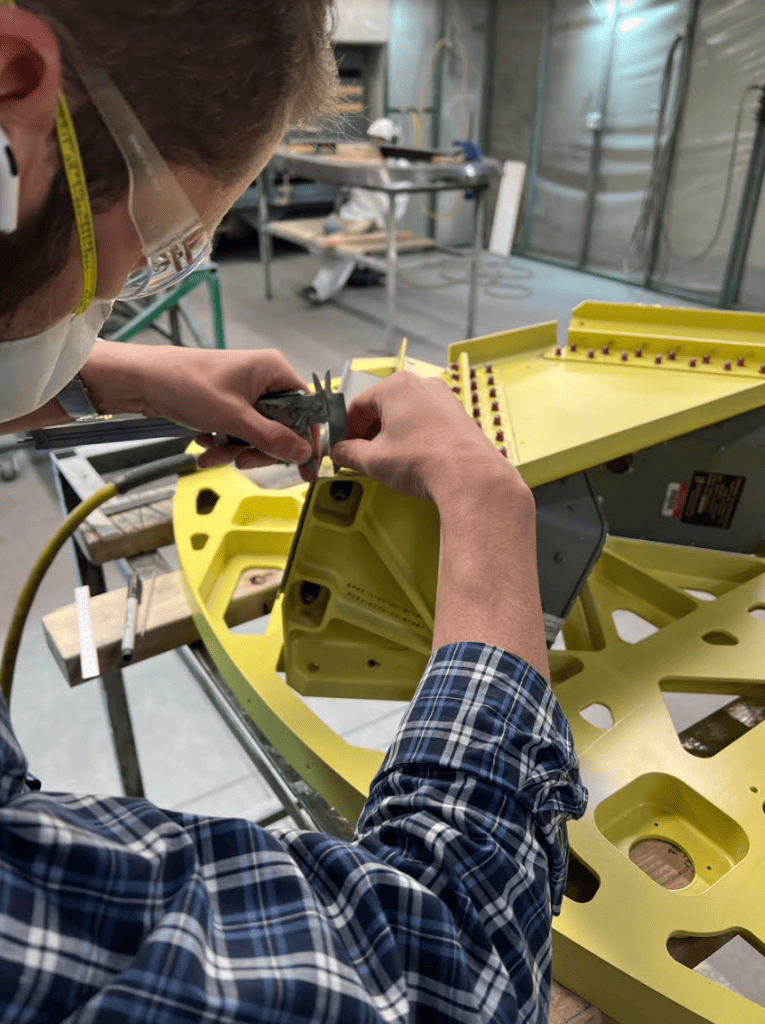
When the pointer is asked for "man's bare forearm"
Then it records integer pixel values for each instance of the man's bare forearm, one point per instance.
(488, 585)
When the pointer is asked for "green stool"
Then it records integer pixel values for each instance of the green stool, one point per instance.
(145, 313)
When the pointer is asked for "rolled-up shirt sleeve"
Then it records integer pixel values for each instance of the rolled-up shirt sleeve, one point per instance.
(439, 909)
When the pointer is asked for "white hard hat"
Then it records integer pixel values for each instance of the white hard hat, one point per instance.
(384, 128)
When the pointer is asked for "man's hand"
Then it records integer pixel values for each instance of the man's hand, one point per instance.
(209, 391)
(412, 434)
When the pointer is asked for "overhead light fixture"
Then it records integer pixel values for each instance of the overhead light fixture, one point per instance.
(630, 23)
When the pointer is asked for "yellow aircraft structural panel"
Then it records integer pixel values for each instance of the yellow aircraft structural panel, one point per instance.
(556, 413)
(225, 526)
(644, 785)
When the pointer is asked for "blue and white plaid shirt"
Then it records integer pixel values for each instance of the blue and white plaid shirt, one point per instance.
(112, 910)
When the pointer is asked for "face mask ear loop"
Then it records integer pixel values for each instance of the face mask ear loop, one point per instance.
(78, 189)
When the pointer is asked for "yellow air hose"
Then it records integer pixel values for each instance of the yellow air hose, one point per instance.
(176, 464)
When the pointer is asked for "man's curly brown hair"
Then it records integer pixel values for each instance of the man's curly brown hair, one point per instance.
(212, 82)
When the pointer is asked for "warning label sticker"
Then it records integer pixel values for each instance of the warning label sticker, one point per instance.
(710, 499)
(674, 500)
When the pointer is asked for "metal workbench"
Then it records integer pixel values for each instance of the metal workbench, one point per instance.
(384, 176)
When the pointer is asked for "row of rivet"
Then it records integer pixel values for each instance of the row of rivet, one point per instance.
(499, 435)
(671, 357)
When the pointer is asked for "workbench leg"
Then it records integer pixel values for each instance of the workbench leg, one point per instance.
(113, 682)
(264, 238)
(122, 733)
(479, 216)
(390, 341)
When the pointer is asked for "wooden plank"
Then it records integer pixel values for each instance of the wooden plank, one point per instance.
(169, 623)
(567, 1008)
(311, 232)
(408, 245)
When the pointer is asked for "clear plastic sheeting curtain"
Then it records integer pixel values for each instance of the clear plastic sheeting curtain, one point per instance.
(575, 69)
(643, 34)
(728, 56)
(604, 70)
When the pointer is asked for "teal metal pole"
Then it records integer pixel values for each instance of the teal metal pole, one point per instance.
(742, 236)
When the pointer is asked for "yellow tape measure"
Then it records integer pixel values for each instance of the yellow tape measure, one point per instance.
(78, 189)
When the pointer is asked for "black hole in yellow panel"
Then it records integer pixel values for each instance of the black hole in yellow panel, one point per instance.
(198, 540)
(720, 638)
(581, 882)
(338, 502)
(206, 501)
(308, 602)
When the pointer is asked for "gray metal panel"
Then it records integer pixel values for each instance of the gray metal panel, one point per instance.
(633, 500)
(571, 532)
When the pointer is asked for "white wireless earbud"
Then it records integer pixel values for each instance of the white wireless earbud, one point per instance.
(9, 187)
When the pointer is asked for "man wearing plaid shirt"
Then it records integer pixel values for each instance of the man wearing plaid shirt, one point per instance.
(113, 910)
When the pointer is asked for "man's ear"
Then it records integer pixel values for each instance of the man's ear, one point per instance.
(30, 77)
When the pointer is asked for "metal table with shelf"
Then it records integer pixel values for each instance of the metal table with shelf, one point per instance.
(388, 177)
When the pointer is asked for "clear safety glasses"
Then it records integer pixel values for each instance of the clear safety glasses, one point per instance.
(173, 238)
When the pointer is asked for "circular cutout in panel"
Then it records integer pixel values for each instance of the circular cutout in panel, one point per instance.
(665, 863)
(198, 540)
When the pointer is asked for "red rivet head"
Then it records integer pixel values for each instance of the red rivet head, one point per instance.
(500, 435)
(497, 421)
(591, 354)
(705, 359)
(475, 398)
(740, 362)
(503, 451)
(490, 382)
(638, 352)
(489, 368)
(691, 362)
(762, 368)
(625, 357)
(454, 366)
(605, 350)
(558, 351)
(476, 414)
(472, 373)
(657, 360)
(493, 393)
(726, 364)
(572, 348)
(495, 406)
(455, 376)
(456, 390)
(671, 357)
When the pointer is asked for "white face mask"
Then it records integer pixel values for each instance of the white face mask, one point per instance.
(34, 370)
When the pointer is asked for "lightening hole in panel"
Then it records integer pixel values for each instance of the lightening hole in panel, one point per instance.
(758, 612)
(249, 608)
(598, 715)
(720, 638)
(198, 540)
(581, 882)
(206, 501)
(559, 644)
(706, 717)
(632, 628)
(733, 960)
(701, 595)
(663, 862)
